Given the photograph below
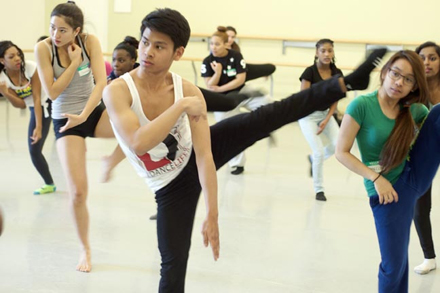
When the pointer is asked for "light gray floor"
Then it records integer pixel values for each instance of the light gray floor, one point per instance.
(274, 236)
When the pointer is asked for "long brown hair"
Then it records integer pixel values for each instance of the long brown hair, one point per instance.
(398, 143)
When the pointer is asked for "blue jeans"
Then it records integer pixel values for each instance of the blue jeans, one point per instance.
(393, 221)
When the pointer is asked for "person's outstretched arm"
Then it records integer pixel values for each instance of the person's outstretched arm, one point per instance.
(207, 174)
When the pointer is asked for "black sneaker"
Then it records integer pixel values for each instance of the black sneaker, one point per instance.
(360, 78)
(237, 171)
(320, 196)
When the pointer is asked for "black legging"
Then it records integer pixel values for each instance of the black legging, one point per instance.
(35, 150)
(177, 201)
(422, 222)
(259, 70)
(221, 102)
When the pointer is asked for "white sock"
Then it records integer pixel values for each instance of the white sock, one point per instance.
(425, 267)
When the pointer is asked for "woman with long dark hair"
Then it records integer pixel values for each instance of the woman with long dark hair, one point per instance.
(72, 72)
(396, 170)
(20, 84)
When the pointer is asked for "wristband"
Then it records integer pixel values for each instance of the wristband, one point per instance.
(380, 174)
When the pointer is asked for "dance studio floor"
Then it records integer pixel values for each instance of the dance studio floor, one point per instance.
(275, 237)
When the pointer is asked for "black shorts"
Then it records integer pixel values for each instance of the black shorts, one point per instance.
(86, 129)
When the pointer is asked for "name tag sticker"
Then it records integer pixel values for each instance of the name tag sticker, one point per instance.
(231, 72)
(84, 69)
(374, 166)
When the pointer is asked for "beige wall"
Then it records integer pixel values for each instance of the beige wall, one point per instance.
(376, 20)
(391, 20)
(386, 20)
(21, 21)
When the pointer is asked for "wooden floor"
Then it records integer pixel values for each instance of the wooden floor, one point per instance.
(275, 237)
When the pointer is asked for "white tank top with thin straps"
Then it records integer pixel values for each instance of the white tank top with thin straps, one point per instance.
(160, 165)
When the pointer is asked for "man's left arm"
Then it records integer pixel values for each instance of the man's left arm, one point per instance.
(201, 139)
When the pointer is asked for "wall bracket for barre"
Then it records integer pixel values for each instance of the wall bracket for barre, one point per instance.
(295, 44)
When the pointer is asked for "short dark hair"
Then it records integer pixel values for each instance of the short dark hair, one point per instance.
(169, 22)
(71, 13)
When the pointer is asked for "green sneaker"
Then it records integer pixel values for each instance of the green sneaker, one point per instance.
(46, 189)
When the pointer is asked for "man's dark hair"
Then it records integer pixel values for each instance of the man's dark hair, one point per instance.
(169, 22)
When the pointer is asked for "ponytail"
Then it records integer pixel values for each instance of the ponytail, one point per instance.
(398, 143)
(397, 146)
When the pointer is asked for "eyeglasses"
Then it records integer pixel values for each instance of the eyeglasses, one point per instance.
(394, 75)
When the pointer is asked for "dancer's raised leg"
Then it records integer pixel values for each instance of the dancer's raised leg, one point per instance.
(232, 136)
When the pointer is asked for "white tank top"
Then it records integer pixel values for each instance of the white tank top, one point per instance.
(164, 162)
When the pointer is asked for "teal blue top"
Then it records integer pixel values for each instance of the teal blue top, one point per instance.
(375, 128)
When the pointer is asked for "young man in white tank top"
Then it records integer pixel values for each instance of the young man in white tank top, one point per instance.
(160, 123)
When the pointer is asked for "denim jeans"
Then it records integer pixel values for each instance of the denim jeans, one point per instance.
(393, 221)
(323, 145)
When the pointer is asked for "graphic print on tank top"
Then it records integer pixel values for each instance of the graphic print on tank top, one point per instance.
(25, 92)
(167, 156)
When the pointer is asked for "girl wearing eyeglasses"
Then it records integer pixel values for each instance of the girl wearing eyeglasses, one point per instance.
(430, 54)
(394, 164)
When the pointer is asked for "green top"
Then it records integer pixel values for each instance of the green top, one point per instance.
(375, 128)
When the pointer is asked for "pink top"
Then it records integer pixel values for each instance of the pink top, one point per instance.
(108, 68)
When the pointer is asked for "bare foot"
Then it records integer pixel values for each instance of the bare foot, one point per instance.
(85, 262)
(107, 168)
